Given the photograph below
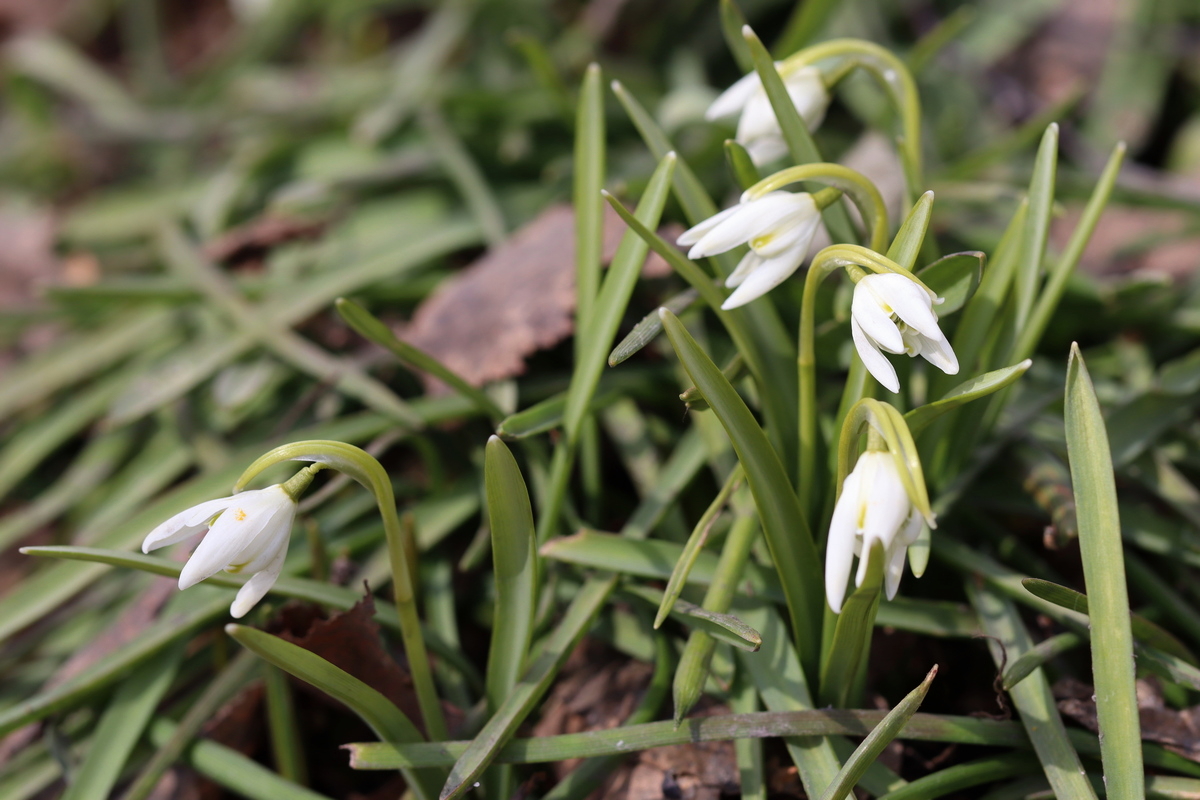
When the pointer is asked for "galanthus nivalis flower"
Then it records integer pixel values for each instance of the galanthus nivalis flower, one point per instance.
(249, 535)
(758, 130)
(873, 508)
(880, 299)
(778, 226)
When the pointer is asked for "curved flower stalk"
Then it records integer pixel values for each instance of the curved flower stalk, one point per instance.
(893, 313)
(246, 533)
(363, 468)
(882, 500)
(758, 130)
(896, 80)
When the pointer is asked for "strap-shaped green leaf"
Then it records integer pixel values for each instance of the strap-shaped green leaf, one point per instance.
(879, 738)
(793, 550)
(1101, 551)
(514, 556)
(379, 713)
(537, 679)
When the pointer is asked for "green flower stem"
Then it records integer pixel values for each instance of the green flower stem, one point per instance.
(896, 79)
(362, 466)
(860, 189)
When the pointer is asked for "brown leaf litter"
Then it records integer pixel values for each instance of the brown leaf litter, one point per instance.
(515, 300)
(598, 689)
(1178, 731)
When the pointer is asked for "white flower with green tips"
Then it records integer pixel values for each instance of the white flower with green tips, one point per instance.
(893, 313)
(778, 226)
(873, 507)
(248, 533)
(758, 130)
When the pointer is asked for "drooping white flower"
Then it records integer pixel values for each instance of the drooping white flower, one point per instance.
(779, 227)
(873, 508)
(881, 299)
(758, 130)
(249, 535)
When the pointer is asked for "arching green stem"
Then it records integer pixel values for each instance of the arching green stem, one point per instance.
(860, 189)
(896, 80)
(889, 431)
(362, 467)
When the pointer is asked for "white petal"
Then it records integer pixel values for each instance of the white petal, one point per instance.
(839, 549)
(808, 94)
(937, 351)
(697, 232)
(894, 570)
(276, 533)
(875, 362)
(888, 506)
(765, 148)
(758, 118)
(874, 314)
(767, 276)
(186, 523)
(733, 99)
(907, 299)
(748, 264)
(259, 584)
(233, 532)
(785, 223)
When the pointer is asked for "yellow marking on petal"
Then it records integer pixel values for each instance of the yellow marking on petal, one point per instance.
(240, 515)
(759, 242)
(236, 568)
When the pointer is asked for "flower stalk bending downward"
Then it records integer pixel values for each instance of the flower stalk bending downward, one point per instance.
(247, 533)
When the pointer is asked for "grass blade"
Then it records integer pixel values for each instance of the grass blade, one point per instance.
(510, 518)
(1008, 640)
(973, 389)
(379, 713)
(879, 738)
(589, 210)
(692, 672)
(793, 551)
(1033, 235)
(483, 749)
(369, 327)
(1101, 551)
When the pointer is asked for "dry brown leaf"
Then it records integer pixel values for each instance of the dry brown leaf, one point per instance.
(350, 641)
(517, 299)
(1176, 730)
(1116, 244)
(701, 771)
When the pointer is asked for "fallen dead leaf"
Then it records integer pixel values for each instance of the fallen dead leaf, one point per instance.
(596, 690)
(1118, 243)
(1178, 731)
(350, 640)
(517, 299)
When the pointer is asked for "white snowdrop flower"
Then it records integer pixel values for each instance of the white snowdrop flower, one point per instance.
(249, 534)
(779, 227)
(873, 507)
(758, 130)
(879, 301)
